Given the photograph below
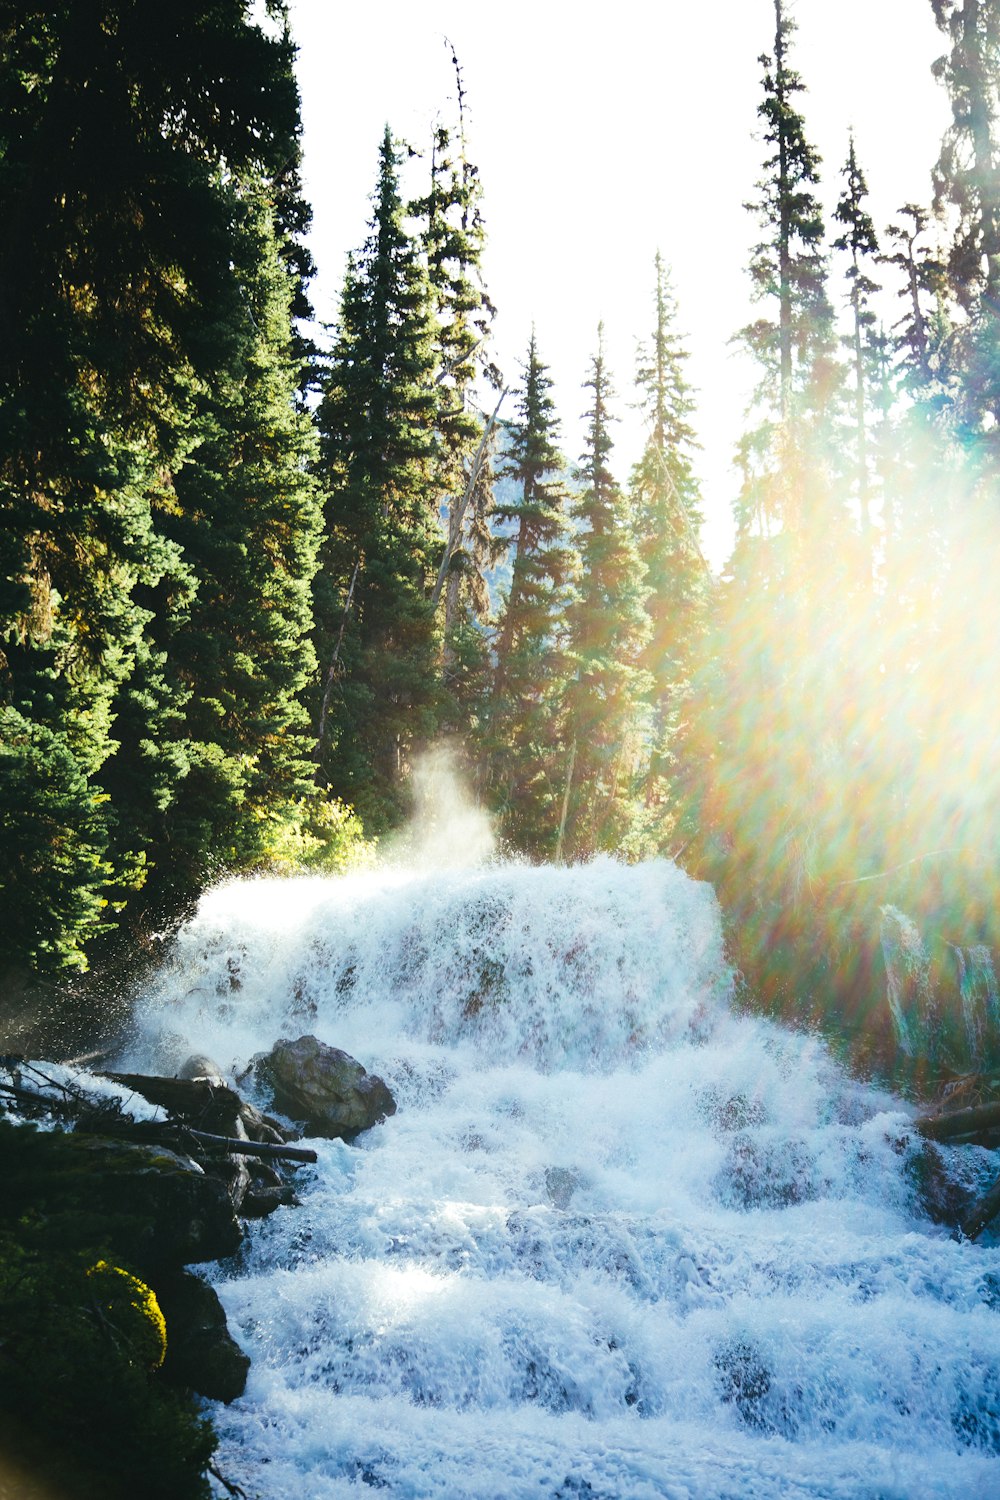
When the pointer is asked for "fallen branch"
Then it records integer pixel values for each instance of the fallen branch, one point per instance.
(227, 1484)
(237, 1147)
(153, 1130)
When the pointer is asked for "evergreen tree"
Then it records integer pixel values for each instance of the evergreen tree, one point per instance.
(774, 748)
(530, 671)
(378, 641)
(608, 629)
(238, 640)
(968, 173)
(923, 276)
(793, 340)
(860, 242)
(454, 238)
(667, 520)
(117, 134)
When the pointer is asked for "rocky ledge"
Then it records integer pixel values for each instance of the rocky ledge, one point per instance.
(157, 1194)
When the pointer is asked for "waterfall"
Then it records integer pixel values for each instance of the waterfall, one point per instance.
(620, 1241)
(977, 988)
(909, 988)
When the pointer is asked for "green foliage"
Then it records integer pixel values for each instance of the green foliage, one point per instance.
(786, 460)
(316, 833)
(247, 524)
(158, 524)
(859, 240)
(665, 504)
(53, 844)
(454, 240)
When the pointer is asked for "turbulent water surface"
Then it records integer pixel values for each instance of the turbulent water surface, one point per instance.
(619, 1241)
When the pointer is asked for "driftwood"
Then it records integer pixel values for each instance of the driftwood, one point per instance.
(181, 1096)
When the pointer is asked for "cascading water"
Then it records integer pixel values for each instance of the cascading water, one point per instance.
(619, 1241)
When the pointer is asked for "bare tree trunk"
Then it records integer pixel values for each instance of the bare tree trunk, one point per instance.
(457, 516)
(565, 805)
(332, 669)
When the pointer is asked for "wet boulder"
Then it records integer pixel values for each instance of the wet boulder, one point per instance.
(201, 1352)
(325, 1089)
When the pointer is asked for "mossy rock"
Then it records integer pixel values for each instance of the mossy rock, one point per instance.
(77, 1392)
(143, 1205)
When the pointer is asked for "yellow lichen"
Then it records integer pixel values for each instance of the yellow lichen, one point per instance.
(118, 1290)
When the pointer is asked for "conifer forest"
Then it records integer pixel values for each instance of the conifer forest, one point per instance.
(252, 569)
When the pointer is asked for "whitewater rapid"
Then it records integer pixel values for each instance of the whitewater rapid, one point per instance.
(620, 1241)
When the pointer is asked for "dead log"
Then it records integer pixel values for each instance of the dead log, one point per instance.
(194, 1099)
(961, 1124)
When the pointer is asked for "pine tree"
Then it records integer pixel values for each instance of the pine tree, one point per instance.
(379, 643)
(117, 134)
(968, 173)
(793, 341)
(608, 629)
(454, 239)
(860, 242)
(667, 520)
(772, 746)
(247, 523)
(530, 671)
(923, 275)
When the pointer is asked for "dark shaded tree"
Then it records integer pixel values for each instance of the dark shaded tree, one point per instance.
(379, 642)
(525, 759)
(122, 130)
(608, 628)
(667, 519)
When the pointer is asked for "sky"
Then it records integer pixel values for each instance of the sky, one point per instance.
(602, 136)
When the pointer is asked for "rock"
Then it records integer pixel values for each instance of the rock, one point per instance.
(258, 1127)
(158, 1207)
(201, 1352)
(560, 1185)
(943, 1181)
(259, 1201)
(321, 1086)
(198, 1066)
(744, 1380)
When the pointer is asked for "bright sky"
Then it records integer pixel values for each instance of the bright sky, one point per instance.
(601, 136)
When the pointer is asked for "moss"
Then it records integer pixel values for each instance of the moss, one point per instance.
(129, 1306)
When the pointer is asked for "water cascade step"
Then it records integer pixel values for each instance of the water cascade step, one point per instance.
(619, 1241)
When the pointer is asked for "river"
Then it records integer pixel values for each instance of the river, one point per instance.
(620, 1241)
